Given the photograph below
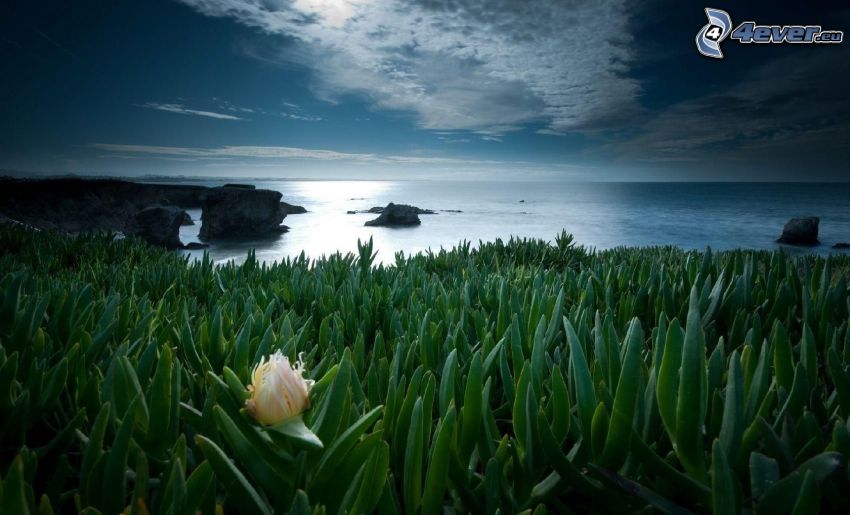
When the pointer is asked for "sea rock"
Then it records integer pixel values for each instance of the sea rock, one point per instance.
(158, 225)
(377, 210)
(292, 209)
(240, 212)
(194, 245)
(243, 186)
(396, 215)
(841, 245)
(187, 219)
(800, 231)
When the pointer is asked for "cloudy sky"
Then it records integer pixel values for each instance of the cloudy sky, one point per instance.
(510, 89)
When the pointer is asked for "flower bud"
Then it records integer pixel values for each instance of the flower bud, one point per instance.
(278, 390)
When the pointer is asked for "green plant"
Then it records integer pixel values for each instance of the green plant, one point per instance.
(514, 376)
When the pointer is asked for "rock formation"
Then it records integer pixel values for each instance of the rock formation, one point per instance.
(377, 210)
(292, 209)
(240, 212)
(800, 231)
(396, 215)
(72, 205)
(158, 225)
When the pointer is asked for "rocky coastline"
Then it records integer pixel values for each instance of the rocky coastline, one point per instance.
(153, 212)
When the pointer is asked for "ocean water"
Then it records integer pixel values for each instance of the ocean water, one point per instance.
(599, 215)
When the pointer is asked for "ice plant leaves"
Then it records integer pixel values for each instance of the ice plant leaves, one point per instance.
(617, 441)
(585, 396)
(691, 402)
(238, 486)
(515, 376)
(296, 429)
(667, 386)
(438, 467)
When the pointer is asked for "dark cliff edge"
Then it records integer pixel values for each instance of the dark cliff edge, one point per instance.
(74, 205)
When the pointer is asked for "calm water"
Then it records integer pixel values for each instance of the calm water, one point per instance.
(600, 215)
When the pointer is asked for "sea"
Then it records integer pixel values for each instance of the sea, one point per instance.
(599, 215)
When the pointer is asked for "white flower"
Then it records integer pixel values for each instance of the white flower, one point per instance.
(279, 392)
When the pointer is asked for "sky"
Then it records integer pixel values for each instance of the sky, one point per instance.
(418, 89)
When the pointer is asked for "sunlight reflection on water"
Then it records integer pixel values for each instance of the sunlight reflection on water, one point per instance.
(601, 215)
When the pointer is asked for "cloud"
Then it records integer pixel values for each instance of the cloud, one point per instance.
(477, 65)
(449, 139)
(278, 153)
(296, 112)
(181, 109)
(778, 112)
(302, 117)
(325, 163)
(228, 106)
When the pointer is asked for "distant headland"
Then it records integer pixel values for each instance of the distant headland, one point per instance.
(151, 211)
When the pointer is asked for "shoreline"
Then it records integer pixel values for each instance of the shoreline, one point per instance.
(313, 232)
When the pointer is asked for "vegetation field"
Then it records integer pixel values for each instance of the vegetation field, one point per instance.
(521, 376)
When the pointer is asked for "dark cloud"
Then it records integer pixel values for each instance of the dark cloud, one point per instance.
(604, 88)
(791, 110)
(492, 66)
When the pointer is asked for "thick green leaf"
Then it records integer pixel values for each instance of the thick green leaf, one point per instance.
(585, 396)
(447, 382)
(326, 469)
(732, 428)
(300, 434)
(114, 483)
(472, 408)
(438, 466)
(413, 456)
(13, 496)
(619, 435)
(236, 484)
(782, 494)
(667, 386)
(723, 500)
(374, 480)
(691, 402)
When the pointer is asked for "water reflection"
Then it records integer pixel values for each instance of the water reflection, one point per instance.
(600, 215)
